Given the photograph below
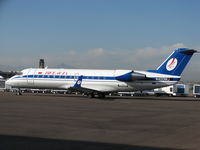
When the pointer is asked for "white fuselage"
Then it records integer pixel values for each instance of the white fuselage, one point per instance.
(97, 80)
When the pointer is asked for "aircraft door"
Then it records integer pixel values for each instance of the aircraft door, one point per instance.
(30, 77)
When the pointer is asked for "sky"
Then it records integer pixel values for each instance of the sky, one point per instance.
(98, 34)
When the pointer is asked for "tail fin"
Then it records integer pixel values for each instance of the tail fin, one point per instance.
(176, 62)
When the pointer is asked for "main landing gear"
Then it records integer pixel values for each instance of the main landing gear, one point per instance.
(91, 95)
(99, 95)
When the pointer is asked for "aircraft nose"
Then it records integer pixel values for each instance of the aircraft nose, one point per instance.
(9, 82)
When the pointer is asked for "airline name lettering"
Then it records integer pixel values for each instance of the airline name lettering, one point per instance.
(53, 73)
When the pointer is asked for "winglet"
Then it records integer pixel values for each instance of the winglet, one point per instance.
(78, 82)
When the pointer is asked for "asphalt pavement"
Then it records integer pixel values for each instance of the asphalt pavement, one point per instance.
(71, 122)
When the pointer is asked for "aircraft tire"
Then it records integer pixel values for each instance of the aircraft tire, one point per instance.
(91, 95)
(101, 95)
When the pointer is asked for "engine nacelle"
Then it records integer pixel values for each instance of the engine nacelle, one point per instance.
(131, 76)
(138, 76)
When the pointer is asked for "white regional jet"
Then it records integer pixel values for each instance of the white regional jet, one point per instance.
(101, 82)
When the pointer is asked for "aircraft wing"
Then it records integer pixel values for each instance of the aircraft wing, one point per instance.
(78, 86)
(82, 89)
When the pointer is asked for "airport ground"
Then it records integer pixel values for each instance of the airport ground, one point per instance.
(71, 122)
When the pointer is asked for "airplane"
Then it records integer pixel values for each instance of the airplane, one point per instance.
(101, 82)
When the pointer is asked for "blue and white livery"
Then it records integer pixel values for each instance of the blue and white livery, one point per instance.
(101, 82)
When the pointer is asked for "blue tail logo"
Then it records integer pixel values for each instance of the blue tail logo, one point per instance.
(176, 62)
(171, 64)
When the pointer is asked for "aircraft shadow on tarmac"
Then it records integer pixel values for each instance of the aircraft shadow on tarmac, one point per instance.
(161, 98)
(8, 142)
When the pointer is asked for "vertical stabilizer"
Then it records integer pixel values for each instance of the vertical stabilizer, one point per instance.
(176, 62)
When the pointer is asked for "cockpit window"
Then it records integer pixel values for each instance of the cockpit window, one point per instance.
(19, 73)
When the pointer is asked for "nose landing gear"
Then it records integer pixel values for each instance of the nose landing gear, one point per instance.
(19, 92)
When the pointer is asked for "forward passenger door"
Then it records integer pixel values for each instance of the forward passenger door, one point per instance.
(30, 77)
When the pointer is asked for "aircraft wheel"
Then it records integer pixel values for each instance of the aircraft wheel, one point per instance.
(101, 95)
(91, 95)
(18, 93)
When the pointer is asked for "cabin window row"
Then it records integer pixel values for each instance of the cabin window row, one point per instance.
(68, 77)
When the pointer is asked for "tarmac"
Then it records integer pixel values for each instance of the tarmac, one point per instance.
(75, 122)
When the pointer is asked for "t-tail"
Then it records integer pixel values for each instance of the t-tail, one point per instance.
(176, 62)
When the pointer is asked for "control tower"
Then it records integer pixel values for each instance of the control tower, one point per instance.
(41, 63)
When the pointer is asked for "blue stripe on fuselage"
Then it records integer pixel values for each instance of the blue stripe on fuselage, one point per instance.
(92, 77)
